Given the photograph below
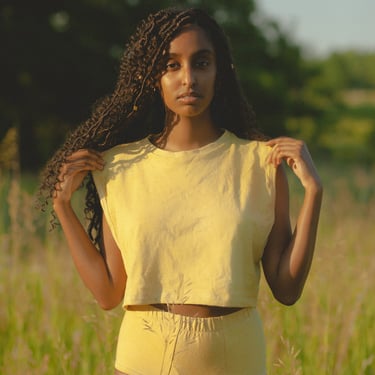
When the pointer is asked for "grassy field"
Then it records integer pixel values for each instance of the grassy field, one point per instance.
(50, 324)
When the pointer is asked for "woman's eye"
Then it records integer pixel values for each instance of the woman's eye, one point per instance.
(172, 65)
(202, 63)
(199, 64)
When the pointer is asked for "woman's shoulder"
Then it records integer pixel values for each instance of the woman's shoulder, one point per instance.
(125, 151)
(253, 153)
(253, 145)
(121, 158)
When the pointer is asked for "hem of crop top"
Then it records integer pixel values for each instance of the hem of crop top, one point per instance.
(250, 302)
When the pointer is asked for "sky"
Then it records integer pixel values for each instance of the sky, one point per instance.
(323, 26)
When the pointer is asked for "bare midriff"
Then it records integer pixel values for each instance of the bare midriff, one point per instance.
(199, 311)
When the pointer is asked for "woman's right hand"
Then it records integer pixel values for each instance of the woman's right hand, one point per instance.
(73, 171)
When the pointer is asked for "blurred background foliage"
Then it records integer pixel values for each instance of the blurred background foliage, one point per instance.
(59, 57)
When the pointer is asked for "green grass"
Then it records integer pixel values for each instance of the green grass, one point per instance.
(50, 324)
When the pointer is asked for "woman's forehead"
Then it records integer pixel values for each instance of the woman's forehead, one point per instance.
(190, 38)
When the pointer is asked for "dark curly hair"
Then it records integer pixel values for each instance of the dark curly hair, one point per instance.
(135, 109)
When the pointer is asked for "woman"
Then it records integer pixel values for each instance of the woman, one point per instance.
(194, 200)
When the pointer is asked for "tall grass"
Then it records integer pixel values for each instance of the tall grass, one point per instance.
(50, 324)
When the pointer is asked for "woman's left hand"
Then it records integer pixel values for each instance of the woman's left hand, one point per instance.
(298, 158)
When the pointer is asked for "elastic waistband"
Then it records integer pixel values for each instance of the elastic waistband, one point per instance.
(192, 323)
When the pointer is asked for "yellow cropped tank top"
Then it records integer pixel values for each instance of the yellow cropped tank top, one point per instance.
(191, 225)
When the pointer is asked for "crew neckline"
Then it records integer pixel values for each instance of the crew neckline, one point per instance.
(203, 149)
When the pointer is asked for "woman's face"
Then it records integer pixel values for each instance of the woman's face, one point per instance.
(187, 85)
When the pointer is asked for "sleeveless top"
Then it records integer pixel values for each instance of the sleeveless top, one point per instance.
(191, 225)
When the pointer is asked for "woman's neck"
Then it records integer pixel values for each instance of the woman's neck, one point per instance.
(187, 134)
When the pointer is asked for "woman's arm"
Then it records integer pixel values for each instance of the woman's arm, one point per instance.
(287, 256)
(106, 278)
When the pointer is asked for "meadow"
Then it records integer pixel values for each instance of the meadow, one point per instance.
(51, 325)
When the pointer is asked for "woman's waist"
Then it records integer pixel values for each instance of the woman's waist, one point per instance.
(199, 311)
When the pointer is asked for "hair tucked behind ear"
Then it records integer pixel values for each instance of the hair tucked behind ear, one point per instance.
(134, 109)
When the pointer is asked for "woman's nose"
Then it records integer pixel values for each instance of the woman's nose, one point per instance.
(189, 77)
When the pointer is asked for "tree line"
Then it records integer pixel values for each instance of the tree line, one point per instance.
(60, 57)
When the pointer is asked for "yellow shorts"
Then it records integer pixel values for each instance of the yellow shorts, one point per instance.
(156, 342)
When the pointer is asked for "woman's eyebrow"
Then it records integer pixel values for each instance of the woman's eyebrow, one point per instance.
(199, 52)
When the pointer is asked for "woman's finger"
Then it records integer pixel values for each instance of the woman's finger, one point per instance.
(297, 157)
(85, 153)
(285, 148)
(74, 170)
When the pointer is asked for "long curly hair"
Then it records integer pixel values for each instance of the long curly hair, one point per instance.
(135, 109)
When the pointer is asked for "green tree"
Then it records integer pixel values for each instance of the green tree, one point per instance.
(349, 70)
(338, 106)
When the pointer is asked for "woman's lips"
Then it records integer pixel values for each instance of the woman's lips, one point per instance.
(189, 98)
